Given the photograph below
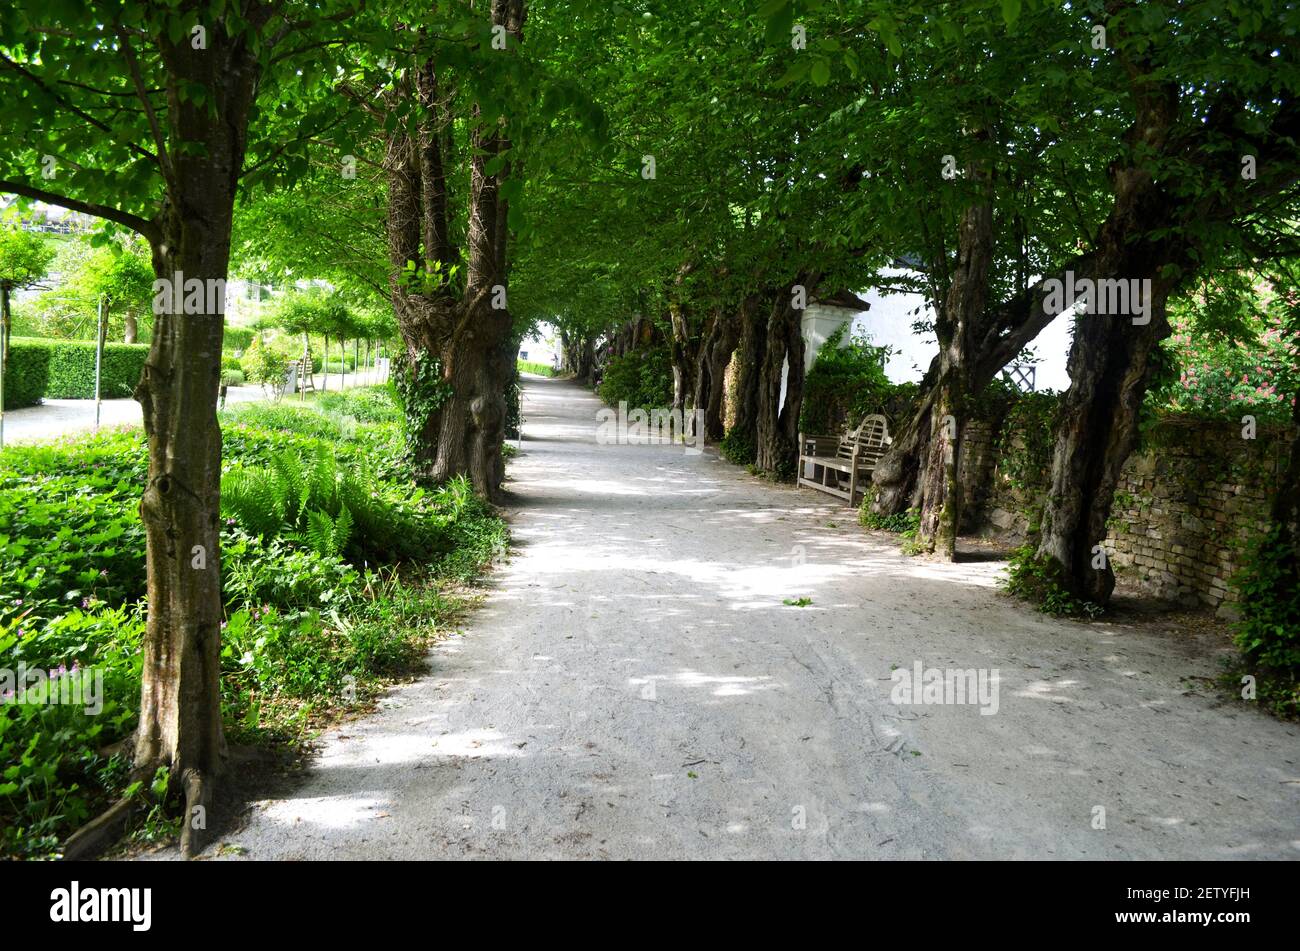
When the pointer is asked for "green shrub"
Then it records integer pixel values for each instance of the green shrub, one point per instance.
(265, 365)
(1268, 631)
(72, 370)
(232, 377)
(901, 523)
(69, 525)
(27, 373)
(237, 338)
(848, 383)
(641, 378)
(738, 448)
(1026, 441)
(69, 368)
(1039, 581)
(334, 510)
(288, 416)
(371, 404)
(278, 572)
(55, 773)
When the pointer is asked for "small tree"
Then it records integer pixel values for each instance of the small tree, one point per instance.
(267, 367)
(315, 311)
(121, 276)
(24, 259)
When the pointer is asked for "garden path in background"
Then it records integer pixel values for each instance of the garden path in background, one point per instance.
(634, 687)
(56, 418)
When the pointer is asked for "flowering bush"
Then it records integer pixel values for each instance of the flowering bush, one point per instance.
(1221, 377)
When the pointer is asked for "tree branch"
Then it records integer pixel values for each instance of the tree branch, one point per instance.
(79, 113)
(159, 141)
(141, 226)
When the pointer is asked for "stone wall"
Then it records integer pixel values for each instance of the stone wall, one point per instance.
(1186, 504)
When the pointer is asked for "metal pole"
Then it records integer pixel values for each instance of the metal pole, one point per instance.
(99, 355)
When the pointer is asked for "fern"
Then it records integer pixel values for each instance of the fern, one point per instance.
(311, 501)
(288, 469)
(342, 530)
(255, 502)
(318, 534)
(322, 477)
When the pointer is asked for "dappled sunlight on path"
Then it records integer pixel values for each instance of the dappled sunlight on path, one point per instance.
(641, 682)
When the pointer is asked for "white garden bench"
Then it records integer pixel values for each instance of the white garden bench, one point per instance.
(842, 465)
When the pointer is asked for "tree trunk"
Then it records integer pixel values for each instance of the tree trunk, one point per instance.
(5, 320)
(1109, 366)
(1110, 359)
(778, 423)
(749, 356)
(469, 333)
(586, 359)
(682, 353)
(180, 706)
(941, 490)
(720, 336)
(130, 327)
(471, 424)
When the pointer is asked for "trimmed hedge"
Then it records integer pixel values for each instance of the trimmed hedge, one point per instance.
(237, 338)
(65, 370)
(26, 374)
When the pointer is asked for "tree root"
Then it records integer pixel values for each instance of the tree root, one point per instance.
(94, 836)
(198, 806)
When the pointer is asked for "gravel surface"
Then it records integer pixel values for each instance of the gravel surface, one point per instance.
(634, 687)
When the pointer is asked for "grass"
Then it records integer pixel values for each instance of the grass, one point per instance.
(540, 369)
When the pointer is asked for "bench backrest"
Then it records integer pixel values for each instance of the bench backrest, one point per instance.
(870, 439)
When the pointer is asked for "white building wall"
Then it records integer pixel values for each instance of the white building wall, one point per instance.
(890, 322)
(541, 346)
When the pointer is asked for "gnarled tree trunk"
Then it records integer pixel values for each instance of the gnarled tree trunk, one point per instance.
(777, 423)
(750, 351)
(1110, 358)
(720, 336)
(468, 332)
(941, 489)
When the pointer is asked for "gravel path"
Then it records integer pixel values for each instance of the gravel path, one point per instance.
(55, 418)
(634, 687)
